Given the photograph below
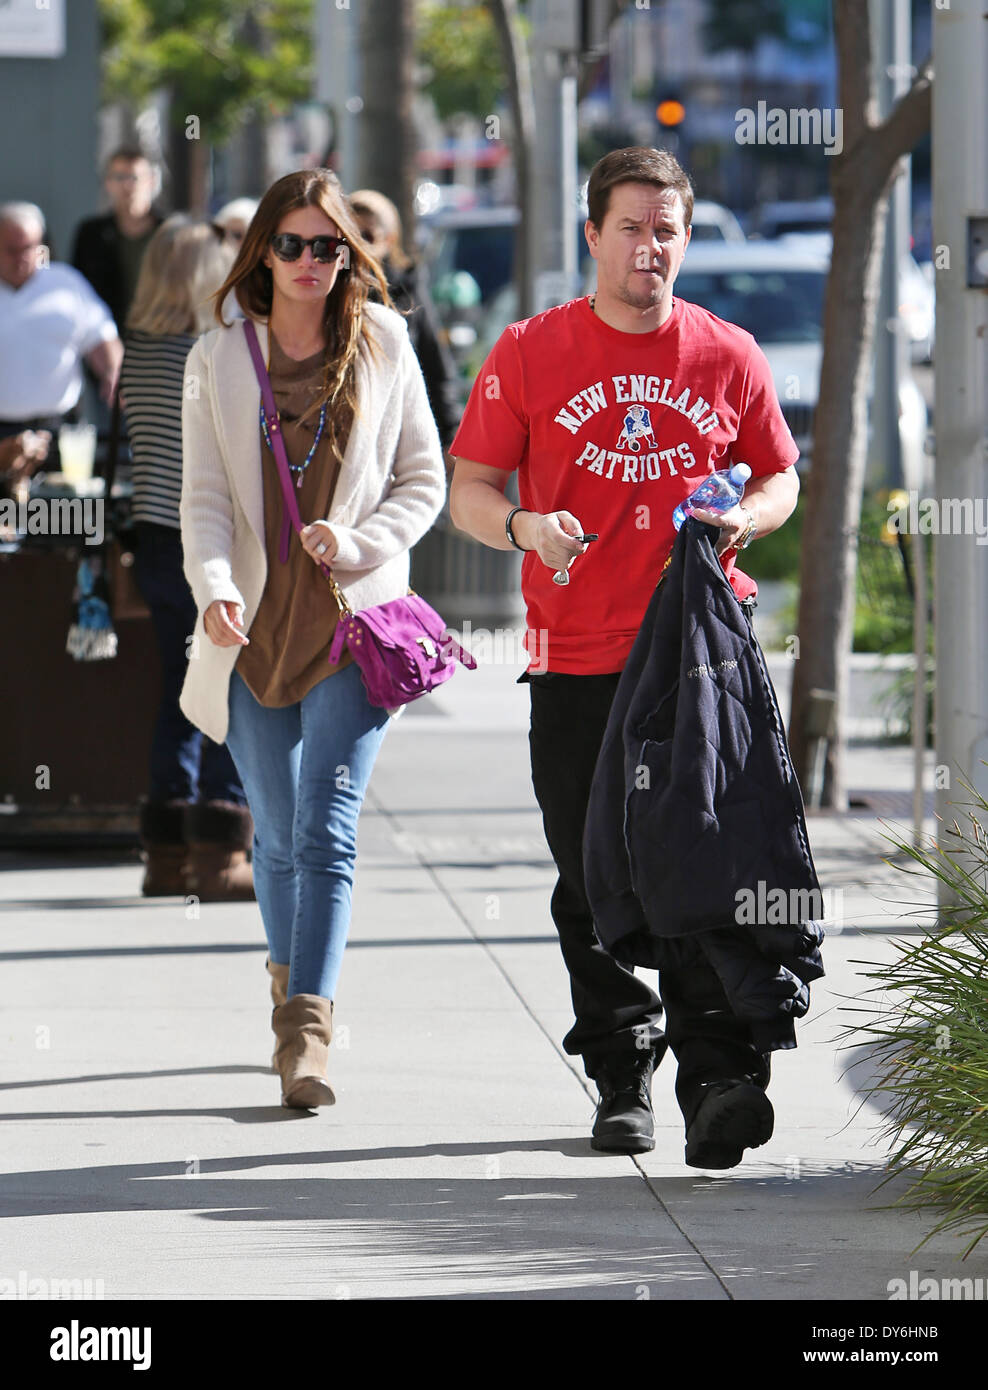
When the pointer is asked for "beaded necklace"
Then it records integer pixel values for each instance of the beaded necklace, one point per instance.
(297, 468)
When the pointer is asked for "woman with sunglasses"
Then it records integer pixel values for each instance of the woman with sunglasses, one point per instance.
(366, 461)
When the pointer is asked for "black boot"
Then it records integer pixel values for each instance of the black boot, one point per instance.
(729, 1117)
(624, 1122)
(219, 835)
(164, 850)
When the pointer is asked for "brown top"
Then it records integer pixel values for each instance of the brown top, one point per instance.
(297, 616)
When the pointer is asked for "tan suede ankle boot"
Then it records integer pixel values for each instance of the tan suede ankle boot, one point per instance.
(304, 1028)
(279, 993)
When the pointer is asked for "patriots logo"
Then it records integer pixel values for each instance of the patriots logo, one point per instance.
(637, 426)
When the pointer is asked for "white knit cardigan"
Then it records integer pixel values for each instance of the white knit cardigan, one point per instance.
(390, 489)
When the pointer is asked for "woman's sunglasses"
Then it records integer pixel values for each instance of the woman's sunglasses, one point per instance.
(288, 247)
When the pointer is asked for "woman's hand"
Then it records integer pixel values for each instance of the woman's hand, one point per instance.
(221, 620)
(319, 542)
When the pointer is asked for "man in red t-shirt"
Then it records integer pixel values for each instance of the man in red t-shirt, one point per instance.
(613, 409)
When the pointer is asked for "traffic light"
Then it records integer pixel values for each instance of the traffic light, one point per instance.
(670, 112)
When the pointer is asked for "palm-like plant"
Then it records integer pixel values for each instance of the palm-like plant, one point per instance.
(928, 1035)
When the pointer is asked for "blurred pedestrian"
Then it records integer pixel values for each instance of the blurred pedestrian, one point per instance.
(195, 828)
(380, 226)
(51, 321)
(368, 469)
(235, 217)
(109, 248)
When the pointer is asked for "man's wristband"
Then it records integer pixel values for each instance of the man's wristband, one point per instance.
(507, 526)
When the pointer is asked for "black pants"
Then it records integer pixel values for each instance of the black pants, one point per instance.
(185, 764)
(615, 1010)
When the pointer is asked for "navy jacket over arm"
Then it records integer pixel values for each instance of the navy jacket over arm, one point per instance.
(695, 823)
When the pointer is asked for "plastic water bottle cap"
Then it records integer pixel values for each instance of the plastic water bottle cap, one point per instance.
(740, 473)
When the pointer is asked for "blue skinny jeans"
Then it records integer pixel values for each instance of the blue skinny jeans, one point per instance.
(305, 769)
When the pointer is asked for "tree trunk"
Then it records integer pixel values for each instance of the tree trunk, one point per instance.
(519, 78)
(200, 176)
(861, 179)
(179, 161)
(386, 151)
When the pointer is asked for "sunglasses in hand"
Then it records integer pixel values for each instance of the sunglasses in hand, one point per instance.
(289, 247)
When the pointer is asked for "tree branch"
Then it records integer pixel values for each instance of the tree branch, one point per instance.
(908, 121)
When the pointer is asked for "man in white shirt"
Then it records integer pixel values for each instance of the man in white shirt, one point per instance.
(51, 321)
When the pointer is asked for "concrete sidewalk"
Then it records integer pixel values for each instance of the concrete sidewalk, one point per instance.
(146, 1151)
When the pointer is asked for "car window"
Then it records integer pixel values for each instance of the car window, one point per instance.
(487, 253)
(775, 306)
(792, 226)
(707, 231)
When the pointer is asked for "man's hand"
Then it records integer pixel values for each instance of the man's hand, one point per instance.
(770, 498)
(551, 536)
(221, 620)
(733, 524)
(22, 454)
(319, 542)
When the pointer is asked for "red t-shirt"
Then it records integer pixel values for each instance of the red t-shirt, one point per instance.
(617, 428)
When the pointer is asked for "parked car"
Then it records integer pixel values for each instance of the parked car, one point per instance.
(775, 291)
(481, 242)
(916, 299)
(808, 224)
(714, 222)
(797, 215)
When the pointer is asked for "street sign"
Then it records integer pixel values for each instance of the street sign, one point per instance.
(32, 28)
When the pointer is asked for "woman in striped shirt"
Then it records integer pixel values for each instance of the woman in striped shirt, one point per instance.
(195, 826)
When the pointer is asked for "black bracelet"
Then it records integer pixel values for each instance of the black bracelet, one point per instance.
(507, 527)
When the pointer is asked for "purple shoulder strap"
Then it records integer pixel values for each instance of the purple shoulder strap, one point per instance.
(292, 517)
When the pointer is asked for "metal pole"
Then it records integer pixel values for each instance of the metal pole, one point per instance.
(338, 81)
(552, 196)
(960, 198)
(891, 21)
(919, 689)
(895, 366)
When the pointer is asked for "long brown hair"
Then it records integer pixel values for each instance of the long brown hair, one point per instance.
(343, 316)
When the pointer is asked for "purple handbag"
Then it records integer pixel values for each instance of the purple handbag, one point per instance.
(402, 647)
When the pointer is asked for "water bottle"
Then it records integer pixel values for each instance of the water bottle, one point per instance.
(718, 492)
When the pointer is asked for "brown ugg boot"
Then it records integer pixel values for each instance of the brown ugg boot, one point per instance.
(219, 834)
(304, 1029)
(163, 848)
(279, 993)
